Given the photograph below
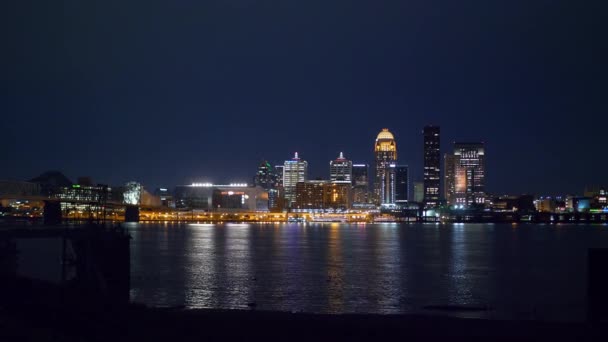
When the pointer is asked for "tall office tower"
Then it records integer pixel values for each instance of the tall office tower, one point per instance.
(268, 179)
(294, 171)
(278, 169)
(448, 186)
(402, 184)
(469, 174)
(432, 170)
(418, 192)
(385, 150)
(360, 184)
(341, 169)
(265, 176)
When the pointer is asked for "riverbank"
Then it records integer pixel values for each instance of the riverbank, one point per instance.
(136, 323)
(51, 314)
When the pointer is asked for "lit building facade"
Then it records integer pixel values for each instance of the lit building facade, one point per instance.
(278, 169)
(418, 192)
(469, 175)
(449, 188)
(360, 184)
(545, 205)
(166, 198)
(323, 195)
(229, 197)
(267, 178)
(86, 193)
(432, 170)
(385, 151)
(402, 184)
(294, 171)
(341, 169)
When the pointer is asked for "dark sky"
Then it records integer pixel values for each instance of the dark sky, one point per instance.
(175, 91)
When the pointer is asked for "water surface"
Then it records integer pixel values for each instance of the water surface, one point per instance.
(516, 271)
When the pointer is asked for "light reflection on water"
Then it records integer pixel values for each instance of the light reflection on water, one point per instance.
(530, 271)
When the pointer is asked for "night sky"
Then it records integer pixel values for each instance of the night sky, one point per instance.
(172, 92)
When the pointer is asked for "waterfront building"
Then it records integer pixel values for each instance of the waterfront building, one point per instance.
(432, 170)
(341, 169)
(166, 198)
(323, 195)
(418, 192)
(295, 170)
(218, 197)
(385, 151)
(87, 193)
(402, 184)
(468, 172)
(545, 205)
(360, 182)
(602, 197)
(523, 204)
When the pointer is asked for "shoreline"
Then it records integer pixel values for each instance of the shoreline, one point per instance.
(139, 322)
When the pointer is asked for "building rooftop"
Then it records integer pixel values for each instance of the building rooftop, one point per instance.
(385, 134)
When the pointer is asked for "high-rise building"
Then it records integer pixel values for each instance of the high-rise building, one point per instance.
(418, 192)
(294, 171)
(385, 151)
(448, 186)
(268, 179)
(360, 184)
(402, 184)
(278, 169)
(266, 176)
(432, 170)
(468, 179)
(341, 169)
(323, 195)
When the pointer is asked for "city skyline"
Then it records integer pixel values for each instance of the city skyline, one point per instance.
(446, 149)
(215, 94)
(303, 170)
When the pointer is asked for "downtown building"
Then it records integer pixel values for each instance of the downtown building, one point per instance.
(360, 184)
(402, 184)
(323, 195)
(221, 197)
(465, 175)
(295, 171)
(432, 170)
(385, 152)
(267, 178)
(341, 169)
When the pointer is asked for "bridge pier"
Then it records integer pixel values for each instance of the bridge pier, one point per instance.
(52, 212)
(132, 213)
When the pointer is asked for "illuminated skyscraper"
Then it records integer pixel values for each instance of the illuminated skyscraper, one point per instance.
(294, 171)
(341, 169)
(468, 175)
(448, 186)
(267, 178)
(360, 183)
(418, 192)
(402, 184)
(278, 169)
(432, 160)
(385, 150)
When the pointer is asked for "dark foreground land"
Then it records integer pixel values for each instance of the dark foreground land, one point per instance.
(47, 315)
